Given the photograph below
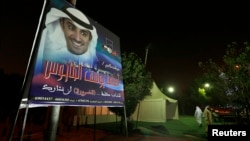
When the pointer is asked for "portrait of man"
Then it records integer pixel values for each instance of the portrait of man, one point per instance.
(68, 36)
(71, 68)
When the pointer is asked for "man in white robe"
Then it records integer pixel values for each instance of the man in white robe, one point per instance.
(198, 115)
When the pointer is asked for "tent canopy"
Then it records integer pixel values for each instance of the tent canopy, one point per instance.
(157, 94)
(156, 108)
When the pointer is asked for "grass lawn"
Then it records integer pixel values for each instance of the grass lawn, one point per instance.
(185, 126)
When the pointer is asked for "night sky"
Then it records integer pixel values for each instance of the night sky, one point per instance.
(179, 36)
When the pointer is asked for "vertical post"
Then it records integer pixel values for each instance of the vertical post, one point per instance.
(14, 124)
(146, 55)
(94, 122)
(145, 63)
(125, 117)
(24, 120)
(53, 123)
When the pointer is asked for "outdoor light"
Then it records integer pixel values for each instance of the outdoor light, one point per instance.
(170, 89)
(207, 85)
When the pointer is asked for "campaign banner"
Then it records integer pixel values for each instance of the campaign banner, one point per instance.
(78, 61)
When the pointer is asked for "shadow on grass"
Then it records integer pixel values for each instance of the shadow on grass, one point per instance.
(160, 129)
(198, 135)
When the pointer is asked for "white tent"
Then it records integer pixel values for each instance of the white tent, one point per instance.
(157, 107)
(154, 108)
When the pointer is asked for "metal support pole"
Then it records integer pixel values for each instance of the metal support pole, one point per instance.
(53, 123)
(125, 117)
(95, 123)
(145, 62)
(146, 55)
(14, 125)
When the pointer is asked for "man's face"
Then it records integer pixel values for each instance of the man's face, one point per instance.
(77, 39)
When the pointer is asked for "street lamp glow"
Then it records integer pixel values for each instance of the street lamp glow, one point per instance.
(207, 85)
(170, 89)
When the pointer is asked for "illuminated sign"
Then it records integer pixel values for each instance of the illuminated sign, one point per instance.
(78, 61)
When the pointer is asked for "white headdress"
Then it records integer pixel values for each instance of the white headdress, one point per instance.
(55, 33)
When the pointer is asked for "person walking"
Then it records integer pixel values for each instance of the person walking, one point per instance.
(208, 117)
(198, 115)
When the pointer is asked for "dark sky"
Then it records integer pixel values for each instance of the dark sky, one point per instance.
(180, 35)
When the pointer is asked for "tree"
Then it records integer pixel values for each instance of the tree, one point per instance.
(199, 94)
(231, 78)
(204, 95)
(137, 83)
(237, 60)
